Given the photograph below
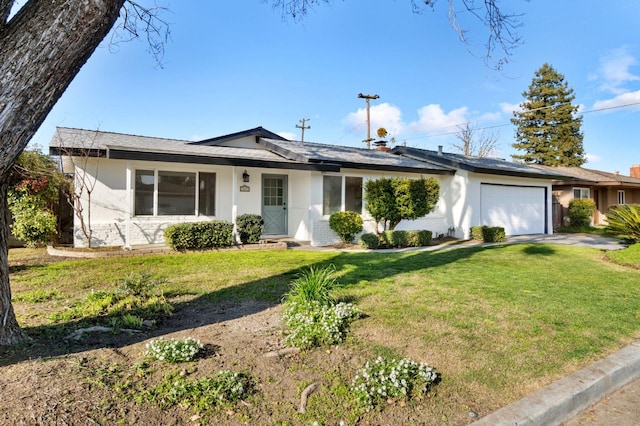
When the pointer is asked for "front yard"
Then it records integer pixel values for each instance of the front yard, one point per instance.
(497, 323)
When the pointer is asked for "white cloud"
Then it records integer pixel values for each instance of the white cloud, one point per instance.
(614, 71)
(593, 158)
(382, 115)
(289, 135)
(629, 98)
(432, 117)
(509, 109)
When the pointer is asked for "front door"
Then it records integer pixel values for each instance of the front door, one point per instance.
(274, 204)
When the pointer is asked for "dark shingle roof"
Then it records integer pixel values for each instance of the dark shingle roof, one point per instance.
(484, 165)
(580, 174)
(132, 147)
(257, 131)
(350, 157)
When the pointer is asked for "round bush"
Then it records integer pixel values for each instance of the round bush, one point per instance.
(346, 225)
(581, 211)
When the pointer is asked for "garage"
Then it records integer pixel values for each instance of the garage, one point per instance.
(520, 210)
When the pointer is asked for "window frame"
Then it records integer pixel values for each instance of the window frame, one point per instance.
(581, 190)
(621, 197)
(156, 173)
(343, 194)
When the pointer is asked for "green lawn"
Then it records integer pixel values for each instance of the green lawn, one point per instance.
(498, 322)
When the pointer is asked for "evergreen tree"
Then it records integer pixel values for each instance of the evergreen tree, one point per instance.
(547, 129)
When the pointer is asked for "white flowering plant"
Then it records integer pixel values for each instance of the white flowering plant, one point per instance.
(313, 323)
(173, 350)
(386, 379)
(203, 394)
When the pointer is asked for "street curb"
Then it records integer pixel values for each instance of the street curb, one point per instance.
(566, 398)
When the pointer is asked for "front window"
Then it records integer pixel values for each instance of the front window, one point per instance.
(335, 199)
(621, 197)
(164, 193)
(580, 193)
(176, 193)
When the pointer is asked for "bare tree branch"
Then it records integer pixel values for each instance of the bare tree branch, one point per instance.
(475, 144)
(139, 21)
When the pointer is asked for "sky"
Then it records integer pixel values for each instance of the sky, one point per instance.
(229, 66)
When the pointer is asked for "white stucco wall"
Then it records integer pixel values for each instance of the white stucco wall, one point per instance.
(114, 224)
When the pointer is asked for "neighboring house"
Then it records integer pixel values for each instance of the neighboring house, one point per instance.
(143, 184)
(606, 189)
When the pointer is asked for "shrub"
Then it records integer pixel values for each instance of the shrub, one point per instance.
(312, 323)
(173, 350)
(580, 211)
(346, 225)
(250, 228)
(419, 238)
(35, 226)
(199, 235)
(369, 241)
(624, 221)
(389, 379)
(488, 234)
(313, 285)
(395, 238)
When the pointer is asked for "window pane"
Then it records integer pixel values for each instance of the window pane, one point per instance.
(176, 193)
(143, 189)
(207, 194)
(353, 194)
(331, 194)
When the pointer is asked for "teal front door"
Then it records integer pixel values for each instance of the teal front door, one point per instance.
(274, 204)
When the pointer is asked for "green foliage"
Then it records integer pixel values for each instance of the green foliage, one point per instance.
(419, 238)
(580, 212)
(250, 228)
(37, 296)
(135, 296)
(629, 256)
(33, 224)
(385, 379)
(313, 285)
(173, 350)
(488, 234)
(391, 200)
(201, 395)
(346, 225)
(312, 323)
(369, 241)
(199, 235)
(395, 238)
(547, 129)
(624, 222)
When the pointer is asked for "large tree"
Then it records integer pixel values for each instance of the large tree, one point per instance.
(44, 45)
(475, 142)
(547, 126)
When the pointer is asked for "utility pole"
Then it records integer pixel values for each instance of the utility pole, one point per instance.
(302, 127)
(368, 98)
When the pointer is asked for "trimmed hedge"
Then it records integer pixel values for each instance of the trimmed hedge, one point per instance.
(395, 238)
(369, 241)
(488, 234)
(419, 238)
(250, 228)
(199, 235)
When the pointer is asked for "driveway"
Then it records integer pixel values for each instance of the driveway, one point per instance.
(583, 240)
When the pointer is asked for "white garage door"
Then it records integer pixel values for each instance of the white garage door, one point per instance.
(520, 210)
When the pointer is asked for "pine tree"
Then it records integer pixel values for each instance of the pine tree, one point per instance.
(547, 129)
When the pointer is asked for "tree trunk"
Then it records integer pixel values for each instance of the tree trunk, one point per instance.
(42, 48)
(9, 330)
